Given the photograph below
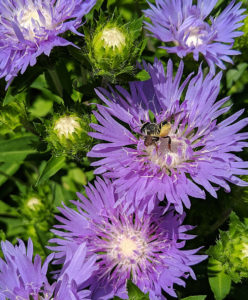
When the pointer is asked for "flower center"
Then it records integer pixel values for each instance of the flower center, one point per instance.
(169, 156)
(128, 248)
(113, 37)
(31, 21)
(33, 202)
(66, 125)
(194, 37)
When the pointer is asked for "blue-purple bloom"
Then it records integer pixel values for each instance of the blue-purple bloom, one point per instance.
(189, 29)
(146, 250)
(29, 28)
(21, 277)
(202, 150)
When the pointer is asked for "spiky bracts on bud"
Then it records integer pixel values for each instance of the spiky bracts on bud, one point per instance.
(231, 249)
(68, 134)
(114, 46)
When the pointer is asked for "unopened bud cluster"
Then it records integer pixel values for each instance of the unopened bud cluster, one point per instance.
(68, 134)
(114, 47)
(231, 250)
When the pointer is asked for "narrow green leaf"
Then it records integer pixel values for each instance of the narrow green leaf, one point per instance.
(8, 169)
(16, 150)
(52, 167)
(220, 283)
(7, 209)
(199, 297)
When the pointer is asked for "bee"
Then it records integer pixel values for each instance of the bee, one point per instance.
(153, 132)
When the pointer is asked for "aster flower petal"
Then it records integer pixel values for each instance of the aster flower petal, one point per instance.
(148, 247)
(19, 276)
(189, 28)
(201, 153)
(29, 28)
(23, 277)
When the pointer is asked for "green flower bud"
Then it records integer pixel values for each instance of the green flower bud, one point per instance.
(114, 47)
(231, 250)
(68, 134)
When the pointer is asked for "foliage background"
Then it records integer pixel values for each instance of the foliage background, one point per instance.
(30, 166)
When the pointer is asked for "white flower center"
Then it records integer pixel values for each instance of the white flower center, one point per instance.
(193, 37)
(30, 20)
(33, 202)
(113, 37)
(169, 156)
(128, 248)
(66, 125)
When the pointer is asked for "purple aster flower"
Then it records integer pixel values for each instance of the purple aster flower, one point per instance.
(147, 250)
(22, 278)
(29, 28)
(189, 30)
(196, 150)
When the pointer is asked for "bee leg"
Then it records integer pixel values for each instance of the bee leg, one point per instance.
(169, 141)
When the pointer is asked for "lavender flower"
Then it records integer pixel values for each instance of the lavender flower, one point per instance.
(22, 278)
(189, 29)
(201, 149)
(146, 250)
(29, 28)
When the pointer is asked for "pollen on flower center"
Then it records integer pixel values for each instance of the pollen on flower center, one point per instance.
(66, 125)
(113, 37)
(127, 247)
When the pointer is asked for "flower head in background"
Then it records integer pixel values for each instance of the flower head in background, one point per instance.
(146, 250)
(189, 29)
(23, 278)
(163, 146)
(29, 28)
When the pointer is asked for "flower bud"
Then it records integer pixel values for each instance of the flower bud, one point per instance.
(114, 47)
(231, 250)
(68, 134)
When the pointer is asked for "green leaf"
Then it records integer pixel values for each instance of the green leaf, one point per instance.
(41, 107)
(41, 84)
(134, 293)
(143, 75)
(8, 169)
(13, 98)
(7, 209)
(52, 167)
(199, 297)
(16, 150)
(220, 283)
